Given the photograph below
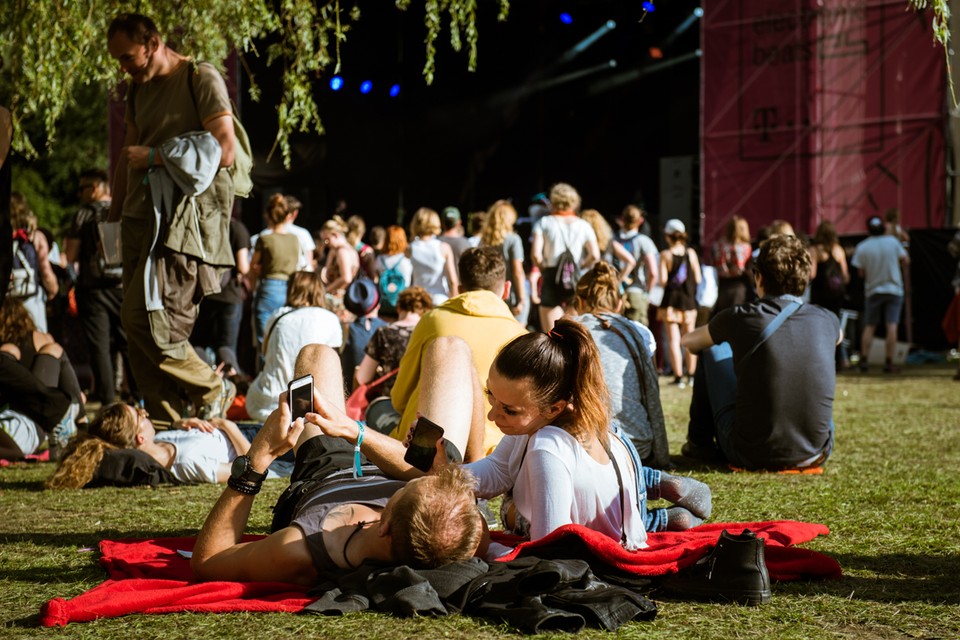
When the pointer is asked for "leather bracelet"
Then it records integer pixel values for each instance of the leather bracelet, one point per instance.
(241, 486)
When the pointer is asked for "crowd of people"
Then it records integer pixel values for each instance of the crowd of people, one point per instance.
(558, 411)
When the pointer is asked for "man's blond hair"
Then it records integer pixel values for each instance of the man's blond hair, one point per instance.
(437, 521)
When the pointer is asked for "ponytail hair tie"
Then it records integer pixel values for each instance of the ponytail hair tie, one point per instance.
(553, 334)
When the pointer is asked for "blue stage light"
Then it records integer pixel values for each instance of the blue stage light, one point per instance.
(566, 18)
(698, 12)
(648, 7)
(395, 91)
(366, 86)
(336, 83)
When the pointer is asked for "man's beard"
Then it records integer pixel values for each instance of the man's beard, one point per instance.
(142, 69)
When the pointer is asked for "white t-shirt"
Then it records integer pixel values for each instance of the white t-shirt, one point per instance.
(557, 482)
(879, 257)
(307, 245)
(560, 233)
(295, 330)
(429, 268)
(199, 454)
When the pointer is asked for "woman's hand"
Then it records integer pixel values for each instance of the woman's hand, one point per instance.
(195, 423)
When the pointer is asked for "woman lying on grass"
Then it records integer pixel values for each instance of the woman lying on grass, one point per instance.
(194, 450)
(558, 462)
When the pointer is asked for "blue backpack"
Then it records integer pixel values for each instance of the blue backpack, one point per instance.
(391, 284)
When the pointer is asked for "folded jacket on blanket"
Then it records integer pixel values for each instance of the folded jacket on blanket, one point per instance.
(531, 594)
(149, 576)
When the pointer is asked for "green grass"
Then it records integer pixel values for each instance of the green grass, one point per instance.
(890, 495)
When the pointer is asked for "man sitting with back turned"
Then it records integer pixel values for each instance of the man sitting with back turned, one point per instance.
(763, 393)
(329, 519)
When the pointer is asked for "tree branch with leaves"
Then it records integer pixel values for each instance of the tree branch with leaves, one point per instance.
(941, 33)
(51, 48)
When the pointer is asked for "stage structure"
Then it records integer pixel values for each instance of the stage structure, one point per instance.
(829, 110)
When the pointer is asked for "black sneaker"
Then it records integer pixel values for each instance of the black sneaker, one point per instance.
(734, 571)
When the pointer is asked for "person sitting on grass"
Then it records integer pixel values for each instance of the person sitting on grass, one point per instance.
(763, 398)
(40, 397)
(339, 511)
(194, 450)
(558, 462)
(626, 354)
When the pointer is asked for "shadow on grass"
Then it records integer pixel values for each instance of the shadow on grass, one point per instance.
(30, 622)
(53, 575)
(898, 578)
(22, 485)
(89, 539)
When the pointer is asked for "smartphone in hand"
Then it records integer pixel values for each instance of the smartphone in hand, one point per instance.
(423, 445)
(300, 397)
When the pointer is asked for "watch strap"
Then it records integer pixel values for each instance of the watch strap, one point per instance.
(250, 474)
(244, 486)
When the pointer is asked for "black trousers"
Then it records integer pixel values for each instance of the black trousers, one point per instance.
(100, 318)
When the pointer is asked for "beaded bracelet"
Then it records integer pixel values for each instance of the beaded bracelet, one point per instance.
(357, 471)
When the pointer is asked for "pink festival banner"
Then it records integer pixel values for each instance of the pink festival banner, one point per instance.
(830, 110)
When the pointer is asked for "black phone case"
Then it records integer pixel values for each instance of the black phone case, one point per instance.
(419, 454)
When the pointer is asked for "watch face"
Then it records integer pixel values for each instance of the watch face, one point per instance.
(240, 464)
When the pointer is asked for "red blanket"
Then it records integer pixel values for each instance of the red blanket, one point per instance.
(149, 576)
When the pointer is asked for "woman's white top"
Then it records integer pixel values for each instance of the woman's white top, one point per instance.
(199, 454)
(558, 483)
(293, 331)
(563, 232)
(429, 268)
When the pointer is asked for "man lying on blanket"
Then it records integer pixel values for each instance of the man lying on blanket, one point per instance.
(328, 518)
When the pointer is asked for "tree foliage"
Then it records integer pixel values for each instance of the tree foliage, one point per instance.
(941, 32)
(53, 48)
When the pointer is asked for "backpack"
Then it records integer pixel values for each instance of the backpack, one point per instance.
(678, 278)
(633, 247)
(568, 271)
(23, 276)
(98, 271)
(242, 168)
(833, 278)
(391, 284)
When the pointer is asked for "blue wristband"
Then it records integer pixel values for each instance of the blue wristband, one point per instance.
(357, 471)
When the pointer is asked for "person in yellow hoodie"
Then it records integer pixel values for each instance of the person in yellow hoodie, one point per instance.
(480, 317)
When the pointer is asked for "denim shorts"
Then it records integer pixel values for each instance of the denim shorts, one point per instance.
(882, 306)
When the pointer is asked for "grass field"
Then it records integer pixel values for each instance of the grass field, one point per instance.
(890, 495)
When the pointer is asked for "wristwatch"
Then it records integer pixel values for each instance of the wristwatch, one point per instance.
(244, 478)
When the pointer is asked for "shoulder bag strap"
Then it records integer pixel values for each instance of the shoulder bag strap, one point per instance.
(645, 373)
(770, 329)
(266, 338)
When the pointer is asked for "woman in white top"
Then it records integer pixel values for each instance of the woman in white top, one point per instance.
(554, 234)
(433, 265)
(558, 463)
(194, 450)
(303, 320)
